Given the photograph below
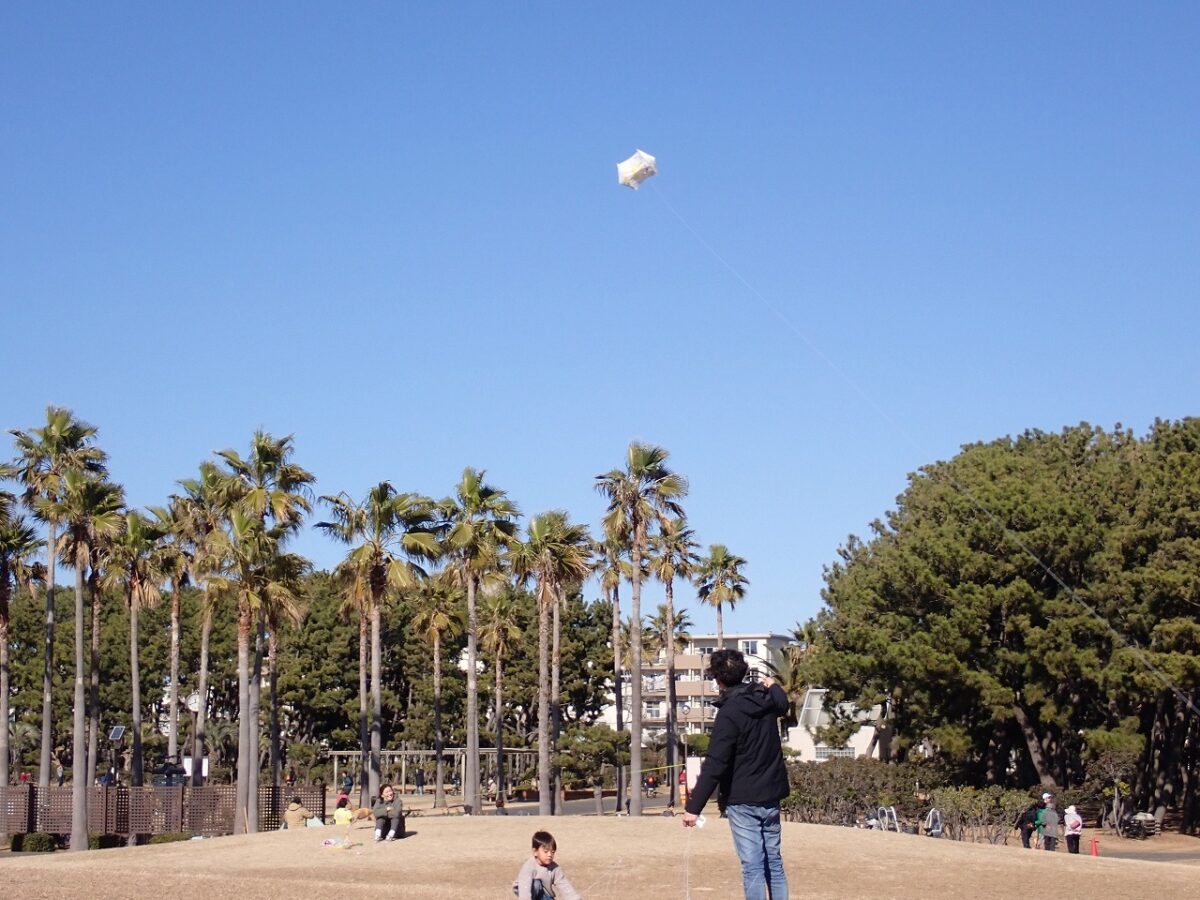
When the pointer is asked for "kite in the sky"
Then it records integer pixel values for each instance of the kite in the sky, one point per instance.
(633, 171)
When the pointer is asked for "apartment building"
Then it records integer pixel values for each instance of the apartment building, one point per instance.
(695, 695)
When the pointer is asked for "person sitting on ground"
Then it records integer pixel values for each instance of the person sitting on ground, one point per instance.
(541, 878)
(296, 816)
(389, 815)
(500, 810)
(343, 815)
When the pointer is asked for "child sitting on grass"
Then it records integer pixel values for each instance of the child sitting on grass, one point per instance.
(541, 878)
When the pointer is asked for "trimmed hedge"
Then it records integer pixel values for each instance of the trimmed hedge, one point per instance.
(169, 837)
(848, 791)
(105, 841)
(34, 842)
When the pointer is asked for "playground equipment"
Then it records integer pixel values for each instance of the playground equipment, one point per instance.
(885, 819)
(933, 823)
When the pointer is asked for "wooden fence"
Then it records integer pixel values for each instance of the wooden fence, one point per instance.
(207, 810)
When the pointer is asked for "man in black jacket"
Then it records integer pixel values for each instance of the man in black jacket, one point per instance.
(745, 760)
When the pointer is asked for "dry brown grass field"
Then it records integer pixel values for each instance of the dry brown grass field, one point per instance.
(652, 857)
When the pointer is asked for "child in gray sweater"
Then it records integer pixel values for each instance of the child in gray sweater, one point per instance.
(541, 878)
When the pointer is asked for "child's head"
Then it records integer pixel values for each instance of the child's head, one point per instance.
(544, 847)
(343, 802)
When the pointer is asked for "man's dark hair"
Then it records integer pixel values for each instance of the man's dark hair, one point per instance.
(728, 667)
(297, 801)
(544, 840)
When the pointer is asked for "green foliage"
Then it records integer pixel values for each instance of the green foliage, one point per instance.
(846, 791)
(950, 616)
(587, 751)
(34, 842)
(697, 744)
(105, 841)
(169, 837)
(979, 815)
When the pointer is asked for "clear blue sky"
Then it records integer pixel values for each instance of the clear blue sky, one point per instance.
(394, 230)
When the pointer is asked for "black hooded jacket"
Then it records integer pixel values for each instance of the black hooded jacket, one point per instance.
(745, 758)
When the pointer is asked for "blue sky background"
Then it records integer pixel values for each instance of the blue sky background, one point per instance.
(394, 230)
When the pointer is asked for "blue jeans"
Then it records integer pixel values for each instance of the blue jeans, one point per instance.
(756, 839)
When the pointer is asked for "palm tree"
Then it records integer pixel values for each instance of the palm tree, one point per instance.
(613, 566)
(720, 582)
(90, 512)
(106, 505)
(223, 737)
(264, 498)
(482, 521)
(207, 549)
(356, 605)
(556, 554)
(19, 545)
(501, 628)
(172, 522)
(667, 640)
(135, 565)
(283, 606)
(638, 497)
(437, 612)
(388, 532)
(44, 455)
(674, 557)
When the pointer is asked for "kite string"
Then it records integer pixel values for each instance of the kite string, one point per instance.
(1121, 639)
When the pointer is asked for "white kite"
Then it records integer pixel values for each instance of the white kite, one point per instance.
(633, 171)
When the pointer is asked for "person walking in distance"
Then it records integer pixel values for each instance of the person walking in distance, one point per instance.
(1073, 825)
(745, 760)
(1050, 825)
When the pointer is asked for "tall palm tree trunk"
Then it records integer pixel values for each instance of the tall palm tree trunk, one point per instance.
(635, 695)
(471, 769)
(376, 694)
(198, 748)
(364, 725)
(720, 628)
(439, 784)
(5, 597)
(48, 662)
(273, 699)
(500, 786)
(173, 700)
(619, 690)
(79, 834)
(136, 773)
(672, 738)
(241, 822)
(556, 701)
(543, 709)
(255, 723)
(94, 685)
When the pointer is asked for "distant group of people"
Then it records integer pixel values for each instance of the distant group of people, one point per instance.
(1041, 826)
(387, 811)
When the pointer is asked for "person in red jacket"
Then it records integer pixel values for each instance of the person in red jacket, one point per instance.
(745, 760)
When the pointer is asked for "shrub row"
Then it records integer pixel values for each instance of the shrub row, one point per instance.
(34, 842)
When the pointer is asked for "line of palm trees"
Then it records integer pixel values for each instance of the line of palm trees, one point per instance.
(227, 533)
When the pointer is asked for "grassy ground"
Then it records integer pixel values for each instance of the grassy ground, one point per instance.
(606, 858)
